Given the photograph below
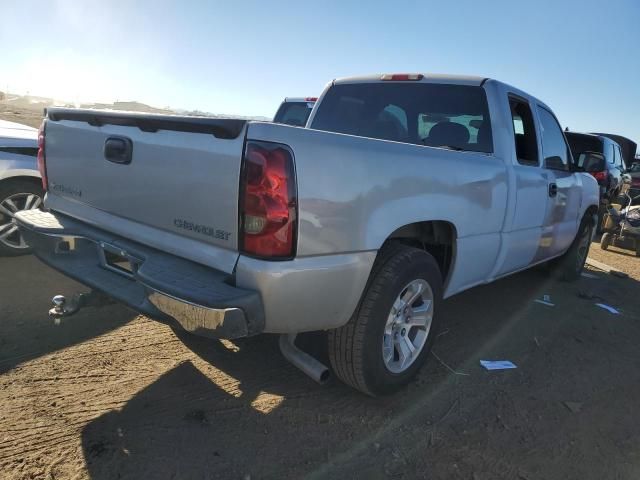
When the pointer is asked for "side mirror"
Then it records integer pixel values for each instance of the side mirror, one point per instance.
(554, 163)
(592, 162)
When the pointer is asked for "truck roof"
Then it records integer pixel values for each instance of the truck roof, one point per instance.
(594, 136)
(427, 77)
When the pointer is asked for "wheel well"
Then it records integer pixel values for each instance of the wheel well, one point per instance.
(436, 237)
(23, 178)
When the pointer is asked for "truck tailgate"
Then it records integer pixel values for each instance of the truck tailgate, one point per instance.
(172, 174)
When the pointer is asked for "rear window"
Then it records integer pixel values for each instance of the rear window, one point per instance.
(436, 115)
(294, 113)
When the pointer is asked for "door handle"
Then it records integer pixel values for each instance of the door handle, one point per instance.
(118, 150)
(553, 189)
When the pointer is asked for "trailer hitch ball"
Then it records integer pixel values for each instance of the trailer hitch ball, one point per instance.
(65, 308)
(59, 301)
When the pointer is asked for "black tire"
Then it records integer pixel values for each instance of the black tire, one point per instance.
(569, 266)
(605, 241)
(9, 188)
(355, 350)
(600, 220)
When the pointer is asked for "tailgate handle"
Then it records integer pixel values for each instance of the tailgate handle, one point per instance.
(118, 150)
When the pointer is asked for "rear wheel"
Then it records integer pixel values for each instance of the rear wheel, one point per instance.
(605, 241)
(390, 334)
(569, 266)
(16, 195)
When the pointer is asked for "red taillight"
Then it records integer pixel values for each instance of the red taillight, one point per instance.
(402, 76)
(42, 161)
(600, 176)
(268, 201)
(311, 99)
(635, 181)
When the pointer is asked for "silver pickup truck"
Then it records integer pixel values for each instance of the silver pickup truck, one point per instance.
(401, 191)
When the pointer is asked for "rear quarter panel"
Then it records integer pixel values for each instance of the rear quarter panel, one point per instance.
(354, 192)
(590, 193)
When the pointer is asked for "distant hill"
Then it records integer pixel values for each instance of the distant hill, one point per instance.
(127, 106)
(35, 104)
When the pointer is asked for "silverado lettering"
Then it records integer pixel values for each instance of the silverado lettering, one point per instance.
(203, 229)
(59, 187)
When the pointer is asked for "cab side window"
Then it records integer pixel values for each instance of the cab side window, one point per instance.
(524, 132)
(554, 147)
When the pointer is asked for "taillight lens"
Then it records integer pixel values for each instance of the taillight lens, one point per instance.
(600, 176)
(268, 201)
(42, 161)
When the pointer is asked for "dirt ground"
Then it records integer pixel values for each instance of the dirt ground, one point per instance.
(31, 117)
(108, 394)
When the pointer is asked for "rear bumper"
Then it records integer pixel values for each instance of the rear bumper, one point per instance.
(167, 288)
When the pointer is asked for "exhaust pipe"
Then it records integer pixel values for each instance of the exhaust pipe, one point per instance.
(305, 362)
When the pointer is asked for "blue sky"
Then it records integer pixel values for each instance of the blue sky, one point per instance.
(580, 57)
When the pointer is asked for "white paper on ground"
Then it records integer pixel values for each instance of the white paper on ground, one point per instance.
(544, 302)
(497, 364)
(588, 275)
(608, 308)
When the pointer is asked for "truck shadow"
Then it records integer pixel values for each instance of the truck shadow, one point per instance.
(229, 414)
(26, 331)
(276, 424)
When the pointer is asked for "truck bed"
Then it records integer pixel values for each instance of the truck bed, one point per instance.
(175, 189)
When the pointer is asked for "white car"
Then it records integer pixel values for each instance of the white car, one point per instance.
(20, 184)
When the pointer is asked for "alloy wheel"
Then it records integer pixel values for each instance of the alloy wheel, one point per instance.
(9, 233)
(408, 325)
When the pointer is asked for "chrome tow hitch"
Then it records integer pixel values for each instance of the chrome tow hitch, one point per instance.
(65, 308)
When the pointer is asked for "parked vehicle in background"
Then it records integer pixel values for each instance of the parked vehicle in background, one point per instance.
(609, 174)
(622, 227)
(20, 184)
(634, 173)
(404, 190)
(295, 111)
(629, 158)
(627, 146)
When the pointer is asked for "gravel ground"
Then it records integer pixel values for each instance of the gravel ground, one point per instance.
(109, 394)
(619, 258)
